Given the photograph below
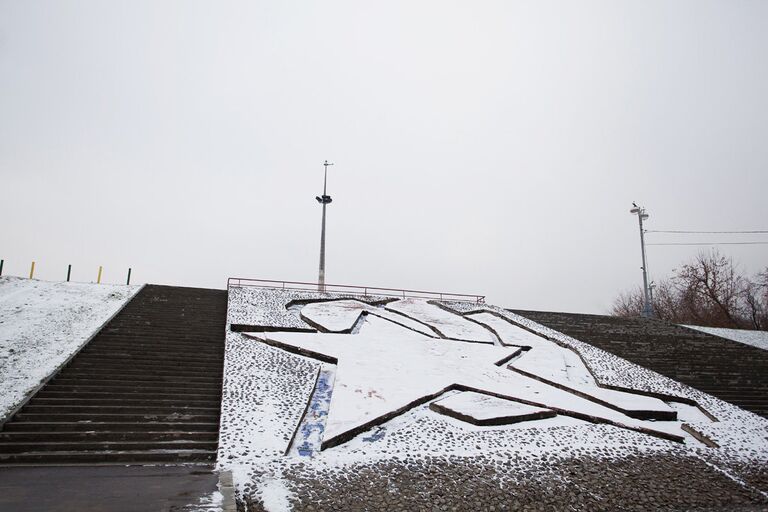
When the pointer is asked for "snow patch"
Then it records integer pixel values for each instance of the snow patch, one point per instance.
(757, 339)
(43, 323)
(275, 495)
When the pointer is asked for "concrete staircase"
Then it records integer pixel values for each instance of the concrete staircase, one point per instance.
(146, 389)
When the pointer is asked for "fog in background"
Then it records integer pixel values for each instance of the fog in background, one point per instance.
(488, 147)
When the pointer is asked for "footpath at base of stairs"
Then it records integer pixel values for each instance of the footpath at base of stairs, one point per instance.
(146, 389)
(107, 488)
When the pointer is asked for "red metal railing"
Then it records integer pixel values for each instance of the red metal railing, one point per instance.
(348, 289)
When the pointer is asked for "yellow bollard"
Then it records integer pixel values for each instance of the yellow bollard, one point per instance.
(32, 270)
(98, 279)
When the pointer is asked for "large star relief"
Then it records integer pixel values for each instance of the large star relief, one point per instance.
(386, 367)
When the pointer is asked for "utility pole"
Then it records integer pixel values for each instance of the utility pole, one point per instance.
(324, 200)
(641, 216)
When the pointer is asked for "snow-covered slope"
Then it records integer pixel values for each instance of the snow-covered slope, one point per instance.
(757, 339)
(362, 390)
(42, 323)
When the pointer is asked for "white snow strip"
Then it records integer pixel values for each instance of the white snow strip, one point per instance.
(341, 315)
(564, 367)
(757, 339)
(334, 316)
(511, 334)
(485, 407)
(742, 434)
(450, 324)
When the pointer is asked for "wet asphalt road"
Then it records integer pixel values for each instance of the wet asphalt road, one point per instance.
(104, 488)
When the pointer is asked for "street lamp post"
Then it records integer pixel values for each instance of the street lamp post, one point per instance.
(324, 200)
(641, 216)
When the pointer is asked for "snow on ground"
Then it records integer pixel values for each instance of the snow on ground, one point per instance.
(385, 368)
(740, 433)
(757, 339)
(564, 367)
(42, 323)
(264, 396)
(335, 316)
(421, 432)
(382, 367)
(249, 305)
(449, 324)
(510, 334)
(484, 407)
(342, 315)
(210, 503)
(275, 495)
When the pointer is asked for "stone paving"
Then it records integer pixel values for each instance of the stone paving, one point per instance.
(425, 461)
(666, 482)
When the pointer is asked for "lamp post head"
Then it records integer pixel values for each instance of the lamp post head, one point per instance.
(639, 211)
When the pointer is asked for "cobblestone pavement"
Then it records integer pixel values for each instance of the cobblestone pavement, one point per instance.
(636, 483)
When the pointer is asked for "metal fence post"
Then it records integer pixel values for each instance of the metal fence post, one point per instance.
(1, 267)
(69, 272)
(128, 281)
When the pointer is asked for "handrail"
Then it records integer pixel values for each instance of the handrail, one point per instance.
(350, 289)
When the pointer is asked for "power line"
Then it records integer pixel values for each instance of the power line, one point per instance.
(714, 243)
(709, 232)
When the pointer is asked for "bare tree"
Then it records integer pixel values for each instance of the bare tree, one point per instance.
(710, 291)
(664, 303)
(628, 303)
(756, 301)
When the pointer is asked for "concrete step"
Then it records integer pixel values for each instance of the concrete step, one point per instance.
(188, 375)
(115, 401)
(117, 409)
(72, 376)
(160, 346)
(132, 394)
(121, 356)
(77, 457)
(99, 426)
(149, 365)
(71, 436)
(118, 386)
(101, 446)
(157, 416)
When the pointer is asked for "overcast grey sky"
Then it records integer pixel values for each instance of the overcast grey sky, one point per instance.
(487, 147)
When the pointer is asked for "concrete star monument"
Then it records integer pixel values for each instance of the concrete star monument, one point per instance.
(385, 366)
